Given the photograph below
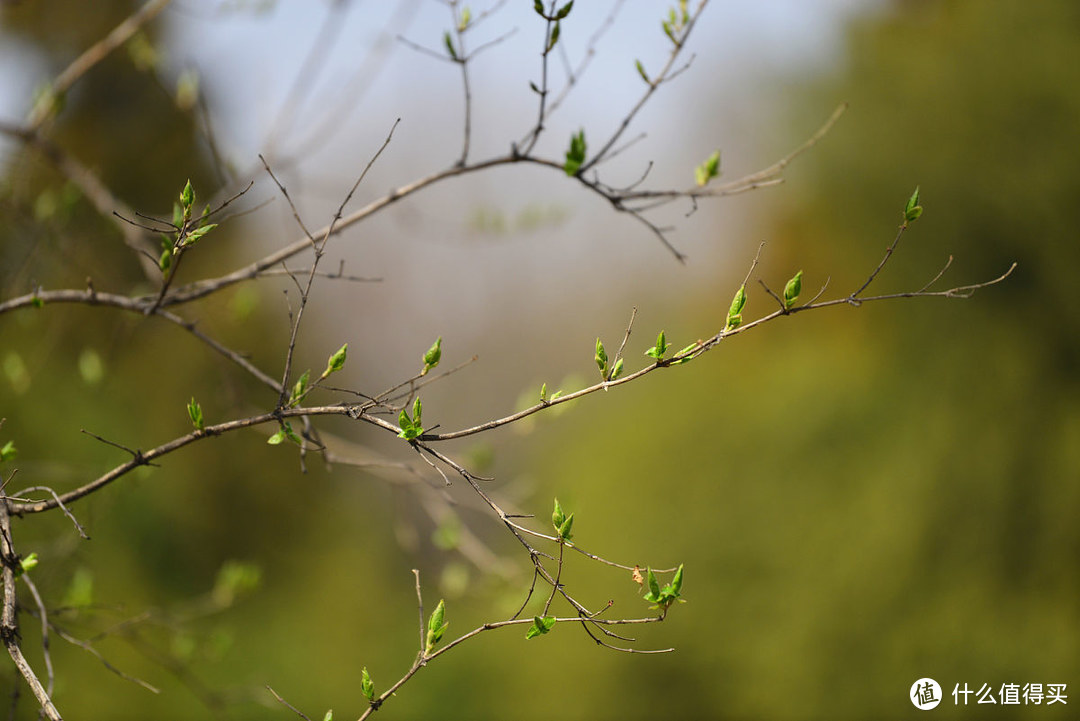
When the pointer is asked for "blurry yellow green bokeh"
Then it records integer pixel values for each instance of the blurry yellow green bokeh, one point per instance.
(861, 496)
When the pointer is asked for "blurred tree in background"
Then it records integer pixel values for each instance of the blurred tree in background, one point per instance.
(897, 499)
(861, 500)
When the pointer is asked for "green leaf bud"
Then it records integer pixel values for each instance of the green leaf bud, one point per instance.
(792, 290)
(432, 356)
(436, 626)
(337, 361)
(367, 686)
(557, 516)
(565, 527)
(708, 170)
(912, 210)
(575, 156)
(195, 414)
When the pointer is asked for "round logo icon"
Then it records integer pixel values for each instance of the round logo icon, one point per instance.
(925, 694)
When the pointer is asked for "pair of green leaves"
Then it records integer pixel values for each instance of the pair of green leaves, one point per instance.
(411, 427)
(544, 398)
(608, 373)
(436, 627)
(540, 626)
(300, 390)
(285, 431)
(303, 386)
(657, 351)
(556, 29)
(675, 22)
(462, 24)
(561, 13)
(562, 522)
(663, 597)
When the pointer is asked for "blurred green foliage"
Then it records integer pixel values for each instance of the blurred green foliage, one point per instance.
(889, 493)
(860, 497)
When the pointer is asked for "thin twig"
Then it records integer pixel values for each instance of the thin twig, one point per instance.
(9, 624)
(92, 56)
(288, 705)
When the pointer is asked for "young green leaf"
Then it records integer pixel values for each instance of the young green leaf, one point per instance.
(26, 564)
(195, 414)
(337, 361)
(707, 170)
(912, 210)
(405, 422)
(601, 358)
(409, 429)
(187, 198)
(557, 516)
(177, 216)
(687, 349)
(658, 350)
(676, 582)
(466, 18)
(285, 431)
(195, 235)
(299, 389)
(328, 716)
(653, 595)
(165, 261)
(738, 301)
(449, 41)
(538, 6)
(792, 290)
(8, 452)
(291, 435)
(734, 317)
(543, 393)
(565, 527)
(663, 597)
(540, 626)
(575, 156)
(432, 356)
(554, 36)
(564, 10)
(367, 686)
(641, 71)
(617, 370)
(436, 627)
(417, 410)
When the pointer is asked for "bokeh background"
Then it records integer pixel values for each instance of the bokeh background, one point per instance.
(861, 497)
